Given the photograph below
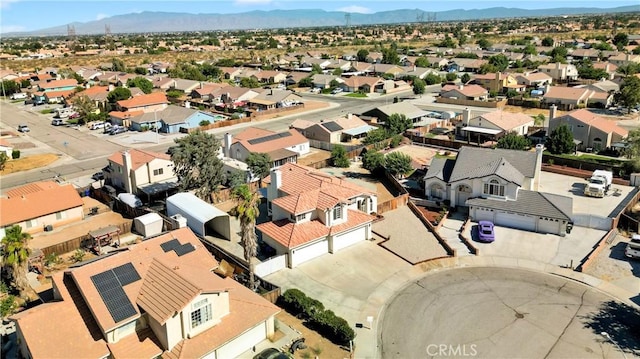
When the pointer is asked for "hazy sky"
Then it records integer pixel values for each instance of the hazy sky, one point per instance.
(27, 15)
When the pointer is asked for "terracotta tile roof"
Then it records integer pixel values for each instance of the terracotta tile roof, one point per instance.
(467, 90)
(298, 178)
(598, 122)
(246, 310)
(603, 64)
(62, 329)
(506, 120)
(36, 200)
(251, 133)
(125, 115)
(538, 76)
(154, 98)
(306, 201)
(138, 157)
(164, 292)
(63, 93)
(141, 344)
(95, 90)
(292, 235)
(59, 83)
(357, 81)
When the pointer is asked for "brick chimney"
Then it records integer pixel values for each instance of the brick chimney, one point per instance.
(126, 171)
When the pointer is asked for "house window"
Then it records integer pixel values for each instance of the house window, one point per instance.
(337, 212)
(301, 217)
(61, 215)
(494, 188)
(158, 172)
(32, 223)
(200, 313)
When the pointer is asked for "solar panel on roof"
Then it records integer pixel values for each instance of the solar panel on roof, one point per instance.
(126, 274)
(268, 138)
(332, 126)
(169, 245)
(184, 249)
(113, 296)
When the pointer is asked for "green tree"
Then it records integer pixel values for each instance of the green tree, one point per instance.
(629, 95)
(419, 86)
(560, 140)
(142, 83)
(306, 82)
(339, 157)
(119, 94)
(559, 54)
(247, 210)
(539, 119)
(398, 163)
(15, 256)
(118, 65)
(447, 42)
(483, 43)
(398, 123)
(3, 160)
(373, 161)
(362, 55)
(500, 61)
(259, 164)
(235, 178)
(390, 56)
(451, 77)
(196, 163)
(9, 87)
(547, 41)
(375, 136)
(84, 106)
(621, 40)
(315, 69)
(432, 79)
(465, 78)
(422, 62)
(249, 82)
(513, 141)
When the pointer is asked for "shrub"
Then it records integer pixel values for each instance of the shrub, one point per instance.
(7, 306)
(204, 123)
(78, 255)
(395, 141)
(15, 154)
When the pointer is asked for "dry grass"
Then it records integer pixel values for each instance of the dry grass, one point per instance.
(28, 163)
(314, 341)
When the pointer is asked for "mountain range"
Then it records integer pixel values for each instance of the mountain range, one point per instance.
(149, 21)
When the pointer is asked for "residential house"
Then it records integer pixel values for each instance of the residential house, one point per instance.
(414, 71)
(623, 59)
(139, 171)
(157, 298)
(608, 67)
(154, 101)
(362, 84)
(339, 64)
(230, 73)
(185, 86)
(313, 213)
(58, 85)
(407, 109)
(438, 62)
(465, 65)
(294, 77)
(270, 77)
(560, 72)
(385, 69)
(501, 186)
(232, 97)
(606, 86)
(174, 118)
(204, 93)
(308, 62)
(6, 147)
(8, 75)
(97, 95)
(324, 81)
(498, 82)
(534, 79)
(494, 124)
(584, 54)
(374, 57)
(568, 97)
(270, 99)
(162, 82)
(283, 147)
(337, 130)
(57, 96)
(37, 205)
(464, 92)
(590, 130)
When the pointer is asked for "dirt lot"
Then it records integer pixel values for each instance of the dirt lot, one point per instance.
(315, 155)
(420, 156)
(29, 163)
(317, 346)
(530, 111)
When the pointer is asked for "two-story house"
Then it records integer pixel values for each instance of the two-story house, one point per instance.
(590, 130)
(494, 123)
(40, 204)
(157, 298)
(560, 72)
(137, 171)
(500, 186)
(498, 82)
(282, 147)
(313, 213)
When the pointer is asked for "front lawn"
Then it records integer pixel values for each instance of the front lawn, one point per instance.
(356, 95)
(46, 111)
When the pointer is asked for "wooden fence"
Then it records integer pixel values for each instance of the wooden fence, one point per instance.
(486, 104)
(450, 251)
(217, 124)
(82, 241)
(591, 257)
(467, 241)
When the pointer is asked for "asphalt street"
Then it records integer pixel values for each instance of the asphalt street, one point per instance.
(505, 313)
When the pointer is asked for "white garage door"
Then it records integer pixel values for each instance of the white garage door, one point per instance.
(483, 214)
(346, 239)
(549, 225)
(239, 345)
(304, 254)
(516, 220)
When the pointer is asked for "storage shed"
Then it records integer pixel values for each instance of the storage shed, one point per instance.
(148, 225)
(203, 218)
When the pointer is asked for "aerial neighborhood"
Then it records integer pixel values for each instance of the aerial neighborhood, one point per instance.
(326, 191)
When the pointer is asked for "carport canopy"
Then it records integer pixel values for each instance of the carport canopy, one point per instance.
(200, 214)
(359, 130)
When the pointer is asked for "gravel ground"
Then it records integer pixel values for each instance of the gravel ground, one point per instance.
(612, 265)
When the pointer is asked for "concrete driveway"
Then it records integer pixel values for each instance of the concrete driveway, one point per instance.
(343, 281)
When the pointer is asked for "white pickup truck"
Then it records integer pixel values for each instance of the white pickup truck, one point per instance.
(599, 183)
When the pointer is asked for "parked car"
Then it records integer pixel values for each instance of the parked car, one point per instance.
(271, 353)
(486, 232)
(315, 90)
(57, 122)
(18, 96)
(28, 101)
(633, 247)
(96, 125)
(117, 130)
(38, 102)
(74, 115)
(98, 176)
(23, 128)
(336, 90)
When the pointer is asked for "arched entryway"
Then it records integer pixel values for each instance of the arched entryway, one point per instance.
(463, 192)
(436, 191)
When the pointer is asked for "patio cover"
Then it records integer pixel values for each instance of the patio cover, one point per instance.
(151, 189)
(359, 130)
(488, 131)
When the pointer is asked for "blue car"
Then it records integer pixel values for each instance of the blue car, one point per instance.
(485, 232)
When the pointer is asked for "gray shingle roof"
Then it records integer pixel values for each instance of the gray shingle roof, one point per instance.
(532, 203)
(478, 162)
(440, 168)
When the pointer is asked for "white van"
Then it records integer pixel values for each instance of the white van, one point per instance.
(18, 96)
(633, 247)
(64, 112)
(96, 125)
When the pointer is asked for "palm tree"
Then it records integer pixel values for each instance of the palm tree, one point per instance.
(15, 254)
(247, 212)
